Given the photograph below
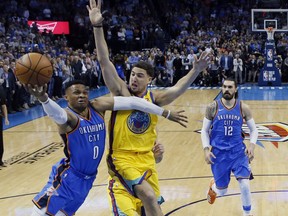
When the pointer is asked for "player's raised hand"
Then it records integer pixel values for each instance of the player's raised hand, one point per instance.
(37, 91)
(202, 62)
(179, 117)
(95, 15)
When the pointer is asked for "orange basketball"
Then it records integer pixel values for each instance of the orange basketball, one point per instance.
(34, 69)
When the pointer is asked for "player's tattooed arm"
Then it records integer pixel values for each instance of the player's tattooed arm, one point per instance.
(211, 110)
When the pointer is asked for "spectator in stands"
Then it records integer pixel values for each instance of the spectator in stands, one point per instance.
(214, 72)
(3, 113)
(169, 68)
(9, 86)
(58, 77)
(120, 66)
(252, 68)
(186, 64)
(238, 69)
(226, 64)
(163, 79)
(76, 67)
(177, 65)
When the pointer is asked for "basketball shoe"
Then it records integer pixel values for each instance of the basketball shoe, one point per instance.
(211, 194)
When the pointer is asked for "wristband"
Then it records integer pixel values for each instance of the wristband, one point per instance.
(45, 102)
(169, 112)
(97, 26)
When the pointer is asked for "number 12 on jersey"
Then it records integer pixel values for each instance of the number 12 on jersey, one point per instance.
(228, 130)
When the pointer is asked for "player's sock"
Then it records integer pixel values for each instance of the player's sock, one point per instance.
(245, 195)
(219, 192)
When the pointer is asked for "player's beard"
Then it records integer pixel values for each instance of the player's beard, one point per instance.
(228, 96)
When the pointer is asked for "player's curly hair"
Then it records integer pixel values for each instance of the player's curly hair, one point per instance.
(145, 66)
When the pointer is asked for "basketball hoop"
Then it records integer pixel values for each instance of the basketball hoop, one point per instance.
(270, 33)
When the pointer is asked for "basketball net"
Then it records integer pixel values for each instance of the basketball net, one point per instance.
(270, 33)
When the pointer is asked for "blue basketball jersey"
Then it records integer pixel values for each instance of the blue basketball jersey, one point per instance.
(85, 145)
(227, 126)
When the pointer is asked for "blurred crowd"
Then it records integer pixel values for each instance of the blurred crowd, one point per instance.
(135, 31)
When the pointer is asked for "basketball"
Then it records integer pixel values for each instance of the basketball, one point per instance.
(34, 69)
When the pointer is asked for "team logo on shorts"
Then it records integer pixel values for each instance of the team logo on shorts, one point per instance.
(138, 122)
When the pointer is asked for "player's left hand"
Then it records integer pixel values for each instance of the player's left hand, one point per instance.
(158, 151)
(202, 62)
(95, 15)
(250, 151)
(177, 116)
(37, 91)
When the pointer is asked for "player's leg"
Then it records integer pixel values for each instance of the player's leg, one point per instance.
(38, 212)
(122, 203)
(242, 172)
(145, 192)
(153, 181)
(53, 197)
(221, 170)
(42, 212)
(244, 185)
(132, 171)
(81, 188)
(41, 199)
(148, 190)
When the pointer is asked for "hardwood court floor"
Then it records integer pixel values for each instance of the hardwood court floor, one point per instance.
(31, 149)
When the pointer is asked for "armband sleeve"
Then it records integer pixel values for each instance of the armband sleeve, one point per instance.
(253, 130)
(136, 103)
(205, 137)
(54, 111)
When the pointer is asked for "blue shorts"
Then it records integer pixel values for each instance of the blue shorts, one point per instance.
(71, 190)
(227, 161)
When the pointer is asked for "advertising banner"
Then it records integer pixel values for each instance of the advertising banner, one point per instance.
(57, 27)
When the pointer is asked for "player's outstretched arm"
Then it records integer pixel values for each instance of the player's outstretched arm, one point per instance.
(205, 134)
(252, 128)
(114, 83)
(169, 95)
(135, 103)
(51, 108)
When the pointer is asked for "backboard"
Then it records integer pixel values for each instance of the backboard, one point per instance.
(261, 19)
